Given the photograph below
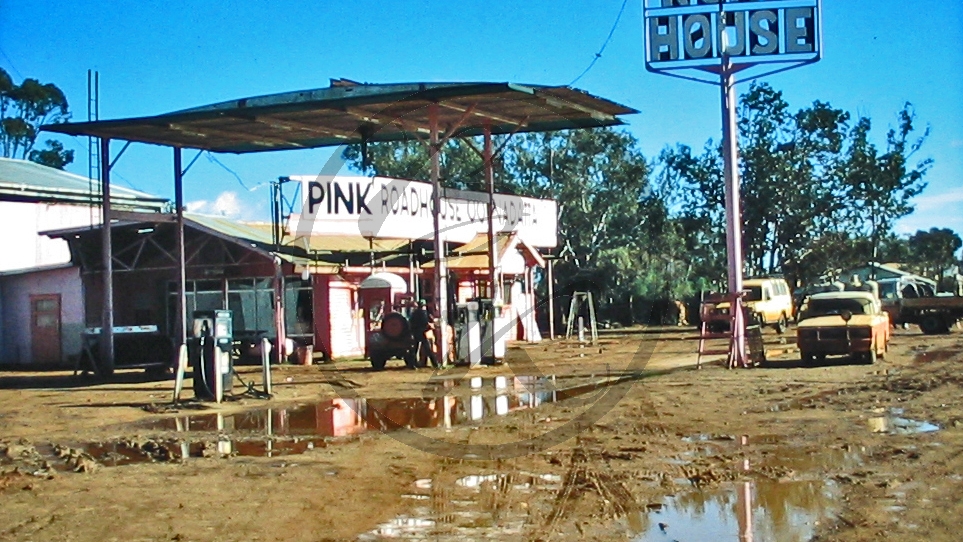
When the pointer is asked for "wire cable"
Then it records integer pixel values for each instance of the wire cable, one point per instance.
(213, 159)
(15, 70)
(598, 55)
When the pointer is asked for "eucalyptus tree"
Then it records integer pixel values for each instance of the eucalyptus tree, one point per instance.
(23, 109)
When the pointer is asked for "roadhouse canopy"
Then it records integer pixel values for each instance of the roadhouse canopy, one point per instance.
(350, 113)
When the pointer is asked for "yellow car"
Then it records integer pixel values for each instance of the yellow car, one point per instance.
(842, 324)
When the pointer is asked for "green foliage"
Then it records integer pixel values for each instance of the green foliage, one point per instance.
(818, 196)
(54, 155)
(934, 251)
(23, 109)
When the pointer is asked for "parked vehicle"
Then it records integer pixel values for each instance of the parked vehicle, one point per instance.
(769, 299)
(843, 324)
(392, 340)
(800, 296)
(910, 301)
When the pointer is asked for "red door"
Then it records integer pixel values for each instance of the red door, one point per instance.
(45, 328)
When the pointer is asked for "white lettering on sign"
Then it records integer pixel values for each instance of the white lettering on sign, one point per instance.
(694, 33)
(385, 208)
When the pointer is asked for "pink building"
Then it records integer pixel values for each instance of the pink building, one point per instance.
(41, 297)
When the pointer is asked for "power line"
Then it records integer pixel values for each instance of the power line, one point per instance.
(598, 55)
(4, 53)
(211, 158)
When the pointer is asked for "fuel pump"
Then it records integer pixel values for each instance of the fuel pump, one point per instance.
(467, 338)
(493, 334)
(209, 350)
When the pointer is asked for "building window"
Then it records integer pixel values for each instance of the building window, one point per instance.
(252, 304)
(298, 308)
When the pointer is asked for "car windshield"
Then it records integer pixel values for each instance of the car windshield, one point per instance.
(754, 293)
(826, 307)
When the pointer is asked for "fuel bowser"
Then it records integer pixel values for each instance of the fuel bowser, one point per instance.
(480, 334)
(468, 342)
(209, 349)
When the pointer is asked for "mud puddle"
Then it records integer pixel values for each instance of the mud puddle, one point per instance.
(472, 507)
(892, 422)
(341, 417)
(751, 510)
(272, 432)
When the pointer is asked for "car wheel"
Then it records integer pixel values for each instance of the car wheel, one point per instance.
(807, 358)
(378, 361)
(933, 324)
(782, 324)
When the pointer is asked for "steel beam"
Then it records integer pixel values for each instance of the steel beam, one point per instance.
(493, 291)
(181, 262)
(441, 272)
(106, 366)
(551, 297)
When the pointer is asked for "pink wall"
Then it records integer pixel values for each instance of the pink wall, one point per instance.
(15, 292)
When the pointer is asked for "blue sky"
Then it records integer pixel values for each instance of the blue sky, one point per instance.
(155, 57)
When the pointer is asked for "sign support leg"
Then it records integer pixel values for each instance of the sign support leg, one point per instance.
(730, 149)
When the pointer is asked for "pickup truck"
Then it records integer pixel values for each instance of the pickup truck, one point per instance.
(908, 302)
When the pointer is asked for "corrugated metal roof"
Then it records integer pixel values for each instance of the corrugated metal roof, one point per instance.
(21, 180)
(325, 243)
(253, 233)
(474, 254)
(260, 233)
(349, 113)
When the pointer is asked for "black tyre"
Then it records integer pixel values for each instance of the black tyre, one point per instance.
(807, 358)
(378, 361)
(395, 326)
(933, 324)
(782, 324)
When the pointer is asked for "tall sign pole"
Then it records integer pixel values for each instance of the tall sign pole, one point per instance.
(709, 41)
(730, 154)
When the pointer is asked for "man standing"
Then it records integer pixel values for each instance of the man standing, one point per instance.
(421, 323)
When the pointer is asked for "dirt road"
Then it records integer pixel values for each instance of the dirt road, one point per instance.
(621, 441)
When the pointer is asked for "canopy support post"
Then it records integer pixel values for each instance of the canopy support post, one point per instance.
(441, 278)
(492, 242)
(107, 319)
(181, 259)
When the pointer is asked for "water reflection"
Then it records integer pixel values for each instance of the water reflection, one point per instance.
(274, 432)
(746, 511)
(896, 425)
(473, 507)
(342, 417)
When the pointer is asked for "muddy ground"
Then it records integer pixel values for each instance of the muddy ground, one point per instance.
(621, 441)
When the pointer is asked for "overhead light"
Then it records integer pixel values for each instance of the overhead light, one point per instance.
(145, 230)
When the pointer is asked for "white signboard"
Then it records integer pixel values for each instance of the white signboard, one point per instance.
(385, 208)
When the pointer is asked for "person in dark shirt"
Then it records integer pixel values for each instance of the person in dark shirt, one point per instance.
(421, 323)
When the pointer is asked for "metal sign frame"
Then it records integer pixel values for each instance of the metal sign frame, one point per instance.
(750, 66)
(695, 35)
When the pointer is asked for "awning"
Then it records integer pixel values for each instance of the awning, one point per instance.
(350, 113)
